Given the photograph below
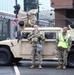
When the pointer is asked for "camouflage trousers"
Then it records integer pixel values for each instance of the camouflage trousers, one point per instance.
(39, 55)
(62, 56)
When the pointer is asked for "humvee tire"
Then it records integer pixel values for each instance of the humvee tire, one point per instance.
(71, 58)
(5, 56)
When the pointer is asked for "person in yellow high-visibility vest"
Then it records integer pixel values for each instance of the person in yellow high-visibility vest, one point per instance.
(63, 44)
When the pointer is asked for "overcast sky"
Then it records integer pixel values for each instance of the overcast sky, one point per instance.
(45, 4)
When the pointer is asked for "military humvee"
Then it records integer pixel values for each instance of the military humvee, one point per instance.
(13, 50)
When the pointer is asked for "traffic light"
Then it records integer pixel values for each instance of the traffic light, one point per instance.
(17, 8)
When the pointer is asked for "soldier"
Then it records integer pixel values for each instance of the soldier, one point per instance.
(63, 43)
(36, 38)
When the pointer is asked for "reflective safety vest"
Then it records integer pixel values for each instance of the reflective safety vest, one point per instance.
(63, 42)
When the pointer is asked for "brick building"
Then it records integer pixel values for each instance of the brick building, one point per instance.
(64, 12)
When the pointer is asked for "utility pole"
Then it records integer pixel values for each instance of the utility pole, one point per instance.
(16, 7)
(38, 16)
(16, 10)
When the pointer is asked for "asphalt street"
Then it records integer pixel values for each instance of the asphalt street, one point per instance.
(23, 68)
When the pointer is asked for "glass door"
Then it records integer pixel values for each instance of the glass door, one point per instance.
(4, 28)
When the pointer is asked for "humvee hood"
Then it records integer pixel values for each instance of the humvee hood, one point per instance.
(8, 42)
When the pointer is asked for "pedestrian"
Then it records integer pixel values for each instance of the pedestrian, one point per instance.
(63, 44)
(36, 40)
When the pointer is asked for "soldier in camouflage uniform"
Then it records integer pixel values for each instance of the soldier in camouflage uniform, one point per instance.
(36, 38)
(63, 44)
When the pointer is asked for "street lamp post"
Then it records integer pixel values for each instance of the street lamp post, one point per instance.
(15, 11)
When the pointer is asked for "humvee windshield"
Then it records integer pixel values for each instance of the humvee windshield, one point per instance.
(50, 35)
(25, 35)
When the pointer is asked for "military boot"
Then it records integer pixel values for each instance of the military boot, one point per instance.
(59, 67)
(32, 66)
(40, 67)
(64, 67)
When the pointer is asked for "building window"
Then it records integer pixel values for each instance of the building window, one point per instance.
(50, 35)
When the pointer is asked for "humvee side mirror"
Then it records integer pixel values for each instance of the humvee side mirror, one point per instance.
(71, 26)
(21, 23)
(22, 36)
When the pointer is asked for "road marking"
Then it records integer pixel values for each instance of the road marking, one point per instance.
(16, 70)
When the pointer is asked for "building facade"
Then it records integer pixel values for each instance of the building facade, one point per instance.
(7, 15)
(7, 28)
(6, 25)
(30, 4)
(46, 18)
(64, 12)
(7, 5)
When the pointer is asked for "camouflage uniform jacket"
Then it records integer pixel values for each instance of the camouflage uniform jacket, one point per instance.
(36, 38)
